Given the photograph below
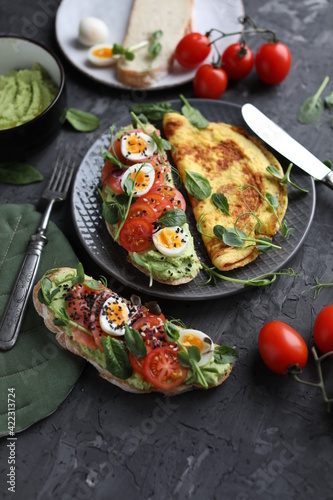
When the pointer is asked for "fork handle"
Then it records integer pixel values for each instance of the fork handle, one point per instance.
(12, 318)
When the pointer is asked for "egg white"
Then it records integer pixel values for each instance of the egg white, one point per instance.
(167, 250)
(92, 31)
(149, 146)
(208, 345)
(110, 325)
(145, 169)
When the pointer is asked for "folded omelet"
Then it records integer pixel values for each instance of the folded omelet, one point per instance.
(228, 158)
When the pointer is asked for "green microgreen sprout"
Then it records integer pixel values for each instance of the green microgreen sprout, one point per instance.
(284, 179)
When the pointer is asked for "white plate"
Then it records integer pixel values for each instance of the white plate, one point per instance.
(222, 15)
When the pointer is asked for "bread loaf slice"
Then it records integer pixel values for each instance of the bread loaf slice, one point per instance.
(174, 18)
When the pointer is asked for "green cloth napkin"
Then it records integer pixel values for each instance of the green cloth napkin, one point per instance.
(37, 370)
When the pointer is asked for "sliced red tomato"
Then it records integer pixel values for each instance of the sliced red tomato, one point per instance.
(159, 203)
(175, 196)
(136, 235)
(113, 179)
(107, 169)
(149, 321)
(137, 363)
(162, 368)
(142, 209)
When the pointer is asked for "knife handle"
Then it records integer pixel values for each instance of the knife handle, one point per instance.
(14, 312)
(328, 179)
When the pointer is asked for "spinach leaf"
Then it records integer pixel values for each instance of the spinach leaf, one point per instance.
(221, 202)
(111, 212)
(134, 342)
(81, 120)
(313, 106)
(193, 115)
(174, 217)
(225, 354)
(171, 331)
(197, 185)
(273, 199)
(152, 111)
(274, 171)
(19, 173)
(117, 360)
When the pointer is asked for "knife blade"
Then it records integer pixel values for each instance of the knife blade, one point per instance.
(283, 143)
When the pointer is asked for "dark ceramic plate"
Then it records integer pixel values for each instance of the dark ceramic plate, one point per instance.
(86, 207)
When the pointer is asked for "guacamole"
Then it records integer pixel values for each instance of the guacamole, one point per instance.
(25, 94)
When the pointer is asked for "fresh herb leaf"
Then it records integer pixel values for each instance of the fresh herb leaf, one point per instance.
(134, 342)
(171, 331)
(193, 115)
(273, 199)
(19, 173)
(155, 47)
(152, 111)
(117, 360)
(221, 202)
(224, 354)
(194, 353)
(174, 217)
(219, 231)
(261, 280)
(184, 359)
(197, 185)
(329, 100)
(81, 120)
(312, 108)
(285, 179)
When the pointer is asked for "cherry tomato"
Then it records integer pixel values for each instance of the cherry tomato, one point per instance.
(159, 203)
(210, 82)
(173, 195)
(323, 329)
(162, 368)
(237, 60)
(141, 209)
(114, 180)
(192, 50)
(273, 62)
(280, 347)
(136, 235)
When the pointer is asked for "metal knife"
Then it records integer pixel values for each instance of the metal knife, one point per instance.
(284, 144)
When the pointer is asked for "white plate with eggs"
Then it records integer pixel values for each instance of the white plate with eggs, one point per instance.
(111, 27)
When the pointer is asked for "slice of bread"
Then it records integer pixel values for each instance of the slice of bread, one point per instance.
(174, 18)
(68, 342)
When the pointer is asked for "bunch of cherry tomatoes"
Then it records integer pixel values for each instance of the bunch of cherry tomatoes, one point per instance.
(272, 62)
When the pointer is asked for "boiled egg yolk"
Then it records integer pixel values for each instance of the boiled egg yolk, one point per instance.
(202, 341)
(171, 241)
(143, 176)
(113, 316)
(137, 146)
(102, 55)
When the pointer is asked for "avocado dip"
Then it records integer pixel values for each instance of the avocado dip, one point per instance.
(24, 94)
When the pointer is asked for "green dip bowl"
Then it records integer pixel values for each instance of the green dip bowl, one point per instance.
(20, 141)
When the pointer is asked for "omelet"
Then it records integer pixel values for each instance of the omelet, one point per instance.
(229, 159)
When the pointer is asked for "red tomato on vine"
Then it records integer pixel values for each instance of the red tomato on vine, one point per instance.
(237, 60)
(273, 62)
(210, 82)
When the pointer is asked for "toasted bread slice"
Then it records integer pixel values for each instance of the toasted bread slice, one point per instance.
(67, 341)
(174, 18)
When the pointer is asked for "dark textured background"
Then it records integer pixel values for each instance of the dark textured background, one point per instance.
(259, 435)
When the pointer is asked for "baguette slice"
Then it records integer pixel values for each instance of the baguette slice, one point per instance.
(68, 343)
(174, 18)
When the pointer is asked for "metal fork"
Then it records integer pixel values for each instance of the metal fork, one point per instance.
(56, 190)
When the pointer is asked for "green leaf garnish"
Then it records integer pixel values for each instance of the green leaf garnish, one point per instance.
(221, 202)
(134, 342)
(19, 173)
(284, 179)
(173, 217)
(224, 354)
(197, 185)
(193, 115)
(81, 120)
(117, 360)
(312, 108)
